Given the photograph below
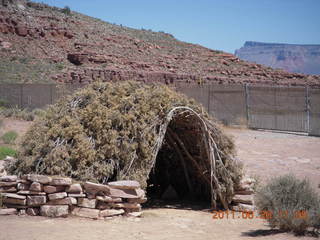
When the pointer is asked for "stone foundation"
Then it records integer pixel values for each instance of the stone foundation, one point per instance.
(61, 196)
(243, 200)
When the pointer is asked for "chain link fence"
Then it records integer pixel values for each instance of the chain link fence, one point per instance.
(227, 103)
(33, 96)
(314, 111)
(259, 107)
(277, 108)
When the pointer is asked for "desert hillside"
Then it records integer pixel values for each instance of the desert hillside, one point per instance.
(39, 43)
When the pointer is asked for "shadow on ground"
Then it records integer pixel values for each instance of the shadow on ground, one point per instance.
(273, 232)
(262, 232)
(183, 205)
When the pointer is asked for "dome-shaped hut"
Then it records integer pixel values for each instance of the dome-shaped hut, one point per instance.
(128, 130)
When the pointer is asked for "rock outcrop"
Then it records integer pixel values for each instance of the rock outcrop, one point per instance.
(290, 57)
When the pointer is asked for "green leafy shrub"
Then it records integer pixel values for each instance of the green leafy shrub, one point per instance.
(9, 137)
(292, 202)
(7, 151)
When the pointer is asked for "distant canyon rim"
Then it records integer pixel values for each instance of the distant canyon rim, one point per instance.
(298, 58)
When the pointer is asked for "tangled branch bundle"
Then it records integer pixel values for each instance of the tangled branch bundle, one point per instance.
(114, 131)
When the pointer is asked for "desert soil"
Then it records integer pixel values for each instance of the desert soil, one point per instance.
(265, 154)
(20, 126)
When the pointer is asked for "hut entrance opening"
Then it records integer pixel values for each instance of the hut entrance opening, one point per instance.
(180, 171)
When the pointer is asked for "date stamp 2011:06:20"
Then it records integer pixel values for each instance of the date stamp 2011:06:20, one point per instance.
(230, 214)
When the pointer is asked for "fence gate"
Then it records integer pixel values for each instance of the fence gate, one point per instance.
(277, 108)
(314, 95)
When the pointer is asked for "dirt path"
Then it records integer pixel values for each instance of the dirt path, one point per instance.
(157, 224)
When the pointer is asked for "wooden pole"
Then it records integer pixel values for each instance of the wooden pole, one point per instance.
(185, 170)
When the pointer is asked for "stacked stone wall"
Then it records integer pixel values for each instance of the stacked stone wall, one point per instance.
(54, 196)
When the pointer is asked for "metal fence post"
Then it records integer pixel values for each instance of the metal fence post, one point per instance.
(51, 97)
(246, 92)
(307, 109)
(21, 96)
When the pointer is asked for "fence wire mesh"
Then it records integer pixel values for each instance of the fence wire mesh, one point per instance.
(224, 102)
(228, 103)
(263, 107)
(277, 108)
(314, 101)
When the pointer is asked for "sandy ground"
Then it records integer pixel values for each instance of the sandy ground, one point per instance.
(157, 224)
(265, 154)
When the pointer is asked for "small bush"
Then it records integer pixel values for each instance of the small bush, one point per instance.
(66, 10)
(7, 151)
(9, 112)
(24, 60)
(9, 137)
(39, 112)
(23, 114)
(3, 102)
(26, 115)
(292, 202)
(60, 66)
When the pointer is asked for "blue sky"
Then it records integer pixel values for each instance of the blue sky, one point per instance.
(216, 24)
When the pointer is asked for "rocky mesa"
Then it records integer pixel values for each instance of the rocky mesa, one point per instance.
(290, 57)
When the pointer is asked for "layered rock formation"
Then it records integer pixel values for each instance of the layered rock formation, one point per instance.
(290, 57)
(39, 43)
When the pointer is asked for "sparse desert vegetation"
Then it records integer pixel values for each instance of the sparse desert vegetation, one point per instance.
(11, 130)
(7, 151)
(9, 137)
(22, 114)
(292, 203)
